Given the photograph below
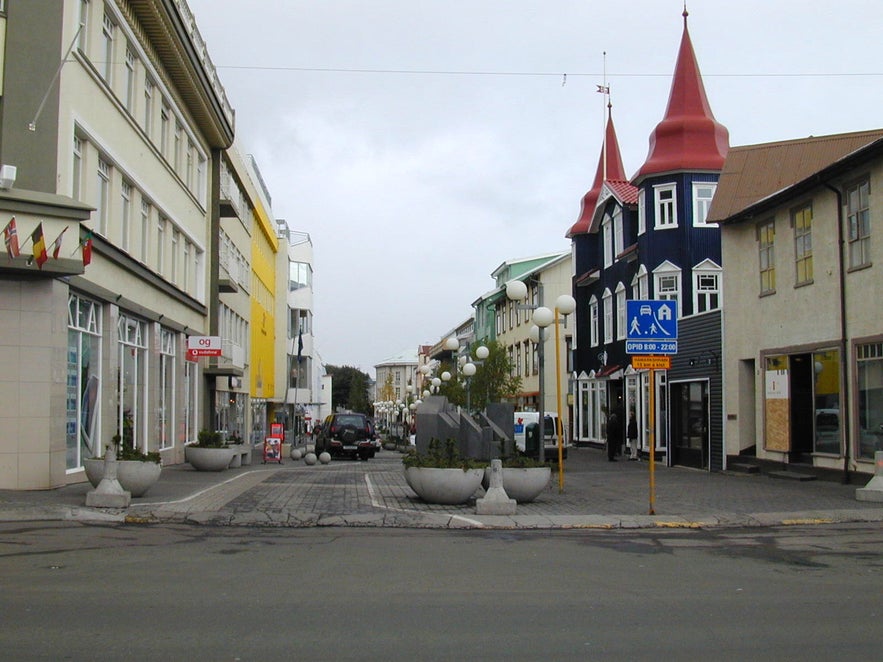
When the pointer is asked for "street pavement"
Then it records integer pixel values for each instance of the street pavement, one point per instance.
(596, 494)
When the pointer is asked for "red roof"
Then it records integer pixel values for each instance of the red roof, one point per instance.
(688, 137)
(614, 170)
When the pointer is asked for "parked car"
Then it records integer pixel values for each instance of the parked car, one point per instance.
(550, 433)
(346, 435)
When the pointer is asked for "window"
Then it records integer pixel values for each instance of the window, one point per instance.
(667, 283)
(766, 237)
(145, 228)
(200, 177)
(185, 275)
(148, 105)
(593, 321)
(82, 41)
(173, 258)
(801, 220)
(665, 204)
(179, 139)
(706, 287)
(188, 173)
(107, 34)
(83, 382)
(640, 288)
(869, 363)
(607, 299)
(164, 115)
(131, 382)
(518, 366)
(300, 275)
(617, 233)
(160, 244)
(620, 311)
(642, 212)
(607, 237)
(126, 216)
(858, 218)
(102, 211)
(166, 406)
(703, 192)
(527, 358)
(77, 174)
(130, 80)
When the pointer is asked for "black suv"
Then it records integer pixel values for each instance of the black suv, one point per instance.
(347, 435)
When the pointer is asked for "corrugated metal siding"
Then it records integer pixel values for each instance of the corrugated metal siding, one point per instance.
(699, 339)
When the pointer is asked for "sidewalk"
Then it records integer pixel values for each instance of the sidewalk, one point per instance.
(597, 494)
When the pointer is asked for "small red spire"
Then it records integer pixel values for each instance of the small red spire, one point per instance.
(614, 170)
(688, 137)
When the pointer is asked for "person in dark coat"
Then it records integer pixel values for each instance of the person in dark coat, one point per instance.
(614, 434)
(632, 435)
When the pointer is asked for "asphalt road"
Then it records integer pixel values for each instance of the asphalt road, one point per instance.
(175, 592)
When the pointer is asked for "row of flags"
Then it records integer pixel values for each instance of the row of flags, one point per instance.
(38, 242)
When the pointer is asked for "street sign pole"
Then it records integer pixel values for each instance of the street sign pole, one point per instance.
(652, 441)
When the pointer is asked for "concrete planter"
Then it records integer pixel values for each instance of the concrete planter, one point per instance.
(444, 486)
(208, 459)
(134, 476)
(524, 484)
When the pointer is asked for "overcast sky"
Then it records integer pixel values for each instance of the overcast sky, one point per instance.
(421, 143)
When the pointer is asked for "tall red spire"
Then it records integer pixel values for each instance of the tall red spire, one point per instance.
(688, 137)
(611, 157)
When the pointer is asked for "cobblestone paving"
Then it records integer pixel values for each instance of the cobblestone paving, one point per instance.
(592, 486)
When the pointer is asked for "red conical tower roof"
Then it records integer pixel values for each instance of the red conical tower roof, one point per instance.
(688, 138)
(613, 170)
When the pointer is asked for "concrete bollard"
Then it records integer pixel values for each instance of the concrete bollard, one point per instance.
(495, 501)
(873, 491)
(109, 493)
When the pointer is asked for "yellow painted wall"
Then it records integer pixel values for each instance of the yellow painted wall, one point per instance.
(264, 246)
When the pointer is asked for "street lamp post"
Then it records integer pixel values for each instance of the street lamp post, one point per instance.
(564, 305)
(516, 291)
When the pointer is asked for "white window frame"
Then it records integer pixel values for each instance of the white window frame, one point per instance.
(620, 311)
(666, 210)
(126, 215)
(108, 29)
(703, 272)
(149, 87)
(640, 284)
(607, 239)
(607, 302)
(701, 204)
(618, 238)
(662, 275)
(77, 174)
(642, 211)
(103, 213)
(593, 321)
(131, 60)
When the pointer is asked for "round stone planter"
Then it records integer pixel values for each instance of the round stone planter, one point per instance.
(444, 486)
(134, 476)
(208, 459)
(524, 484)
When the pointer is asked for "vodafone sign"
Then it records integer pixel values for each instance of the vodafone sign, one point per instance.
(203, 346)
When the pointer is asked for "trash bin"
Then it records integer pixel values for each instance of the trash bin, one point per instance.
(532, 440)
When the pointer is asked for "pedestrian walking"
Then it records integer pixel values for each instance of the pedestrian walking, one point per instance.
(614, 434)
(632, 434)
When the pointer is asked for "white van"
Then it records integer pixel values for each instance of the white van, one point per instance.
(550, 436)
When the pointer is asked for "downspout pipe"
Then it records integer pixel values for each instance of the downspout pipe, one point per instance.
(844, 356)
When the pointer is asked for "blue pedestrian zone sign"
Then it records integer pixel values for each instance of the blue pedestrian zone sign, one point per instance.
(651, 327)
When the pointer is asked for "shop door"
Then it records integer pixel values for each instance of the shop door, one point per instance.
(689, 424)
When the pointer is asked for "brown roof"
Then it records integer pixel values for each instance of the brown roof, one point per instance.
(753, 173)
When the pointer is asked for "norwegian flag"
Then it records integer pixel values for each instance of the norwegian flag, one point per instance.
(10, 237)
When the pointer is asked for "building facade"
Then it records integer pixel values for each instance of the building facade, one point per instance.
(648, 239)
(803, 336)
(116, 106)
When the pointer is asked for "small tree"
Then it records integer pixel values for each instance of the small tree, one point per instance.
(493, 380)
